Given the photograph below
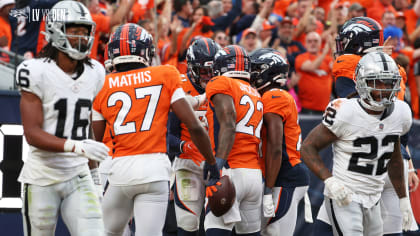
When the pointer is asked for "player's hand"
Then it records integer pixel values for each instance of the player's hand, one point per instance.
(338, 191)
(97, 181)
(220, 163)
(413, 181)
(214, 173)
(212, 189)
(189, 149)
(89, 148)
(268, 203)
(201, 99)
(406, 213)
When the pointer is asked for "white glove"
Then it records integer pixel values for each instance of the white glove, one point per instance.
(97, 181)
(336, 190)
(268, 206)
(89, 148)
(406, 213)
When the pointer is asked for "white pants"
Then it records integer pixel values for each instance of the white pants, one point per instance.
(75, 199)
(245, 214)
(286, 202)
(148, 202)
(354, 219)
(189, 199)
(390, 207)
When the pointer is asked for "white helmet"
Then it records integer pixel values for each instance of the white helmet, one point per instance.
(377, 66)
(65, 13)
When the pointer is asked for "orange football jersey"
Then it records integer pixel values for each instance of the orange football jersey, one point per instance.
(189, 88)
(249, 112)
(135, 105)
(280, 102)
(345, 66)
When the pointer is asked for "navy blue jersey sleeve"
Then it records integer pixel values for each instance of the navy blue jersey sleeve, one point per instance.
(344, 86)
(174, 134)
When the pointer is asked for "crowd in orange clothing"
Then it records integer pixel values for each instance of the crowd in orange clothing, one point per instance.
(285, 25)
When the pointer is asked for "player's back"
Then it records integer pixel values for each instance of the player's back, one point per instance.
(365, 144)
(136, 104)
(249, 111)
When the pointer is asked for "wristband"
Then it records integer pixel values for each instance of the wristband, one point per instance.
(412, 170)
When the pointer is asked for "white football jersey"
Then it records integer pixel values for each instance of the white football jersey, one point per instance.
(67, 105)
(364, 146)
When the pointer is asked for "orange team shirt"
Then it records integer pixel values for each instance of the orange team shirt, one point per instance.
(136, 104)
(139, 10)
(280, 7)
(377, 10)
(280, 102)
(102, 25)
(411, 21)
(314, 87)
(345, 66)
(5, 30)
(249, 112)
(189, 88)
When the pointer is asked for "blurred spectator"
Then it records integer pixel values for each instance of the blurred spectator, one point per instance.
(378, 8)
(314, 67)
(5, 30)
(401, 5)
(400, 20)
(293, 48)
(249, 40)
(248, 16)
(221, 38)
(356, 10)
(319, 14)
(342, 12)
(302, 7)
(183, 10)
(412, 18)
(227, 6)
(215, 8)
(104, 23)
(224, 21)
(292, 10)
(388, 19)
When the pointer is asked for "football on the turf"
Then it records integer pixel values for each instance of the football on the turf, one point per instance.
(223, 199)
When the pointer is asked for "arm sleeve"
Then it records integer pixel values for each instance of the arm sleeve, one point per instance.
(334, 118)
(174, 134)
(344, 86)
(218, 85)
(28, 78)
(222, 22)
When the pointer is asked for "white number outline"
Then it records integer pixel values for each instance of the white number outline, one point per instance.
(242, 126)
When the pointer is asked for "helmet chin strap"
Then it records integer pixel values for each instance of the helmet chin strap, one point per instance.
(370, 107)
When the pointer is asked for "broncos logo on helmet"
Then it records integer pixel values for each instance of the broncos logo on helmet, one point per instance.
(268, 67)
(232, 61)
(200, 57)
(131, 43)
(359, 34)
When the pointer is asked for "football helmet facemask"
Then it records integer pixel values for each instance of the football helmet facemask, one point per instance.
(377, 80)
(359, 34)
(268, 67)
(72, 14)
(232, 61)
(200, 57)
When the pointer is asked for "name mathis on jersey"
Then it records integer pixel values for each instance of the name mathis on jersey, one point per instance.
(129, 79)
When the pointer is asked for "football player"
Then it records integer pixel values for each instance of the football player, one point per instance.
(189, 182)
(57, 91)
(357, 37)
(286, 180)
(365, 133)
(135, 102)
(235, 119)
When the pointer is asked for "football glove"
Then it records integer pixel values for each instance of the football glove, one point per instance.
(406, 213)
(89, 148)
(337, 191)
(268, 203)
(214, 173)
